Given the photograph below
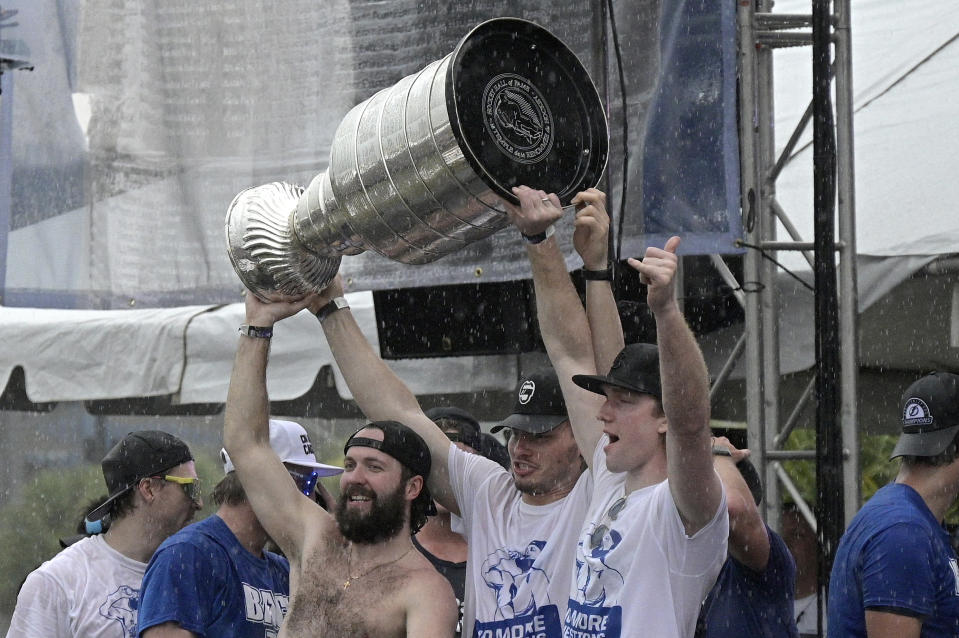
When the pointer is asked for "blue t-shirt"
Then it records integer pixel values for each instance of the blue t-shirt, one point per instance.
(744, 602)
(896, 557)
(205, 580)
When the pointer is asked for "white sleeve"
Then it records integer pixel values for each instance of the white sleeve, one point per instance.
(691, 555)
(42, 609)
(476, 482)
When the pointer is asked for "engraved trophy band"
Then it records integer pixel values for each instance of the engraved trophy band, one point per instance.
(418, 170)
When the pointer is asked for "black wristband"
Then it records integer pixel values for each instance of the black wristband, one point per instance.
(337, 303)
(256, 332)
(599, 275)
(539, 238)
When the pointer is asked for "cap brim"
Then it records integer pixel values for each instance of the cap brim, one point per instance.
(532, 423)
(924, 443)
(322, 469)
(104, 508)
(595, 383)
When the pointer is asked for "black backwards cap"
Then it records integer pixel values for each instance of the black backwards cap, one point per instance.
(635, 368)
(137, 456)
(404, 445)
(930, 415)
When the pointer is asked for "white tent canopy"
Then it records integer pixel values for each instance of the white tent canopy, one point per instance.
(906, 102)
(187, 352)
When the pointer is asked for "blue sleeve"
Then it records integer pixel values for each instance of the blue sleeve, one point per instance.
(182, 584)
(897, 570)
(780, 571)
(781, 568)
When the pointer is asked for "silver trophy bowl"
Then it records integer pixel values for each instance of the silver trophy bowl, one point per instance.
(420, 169)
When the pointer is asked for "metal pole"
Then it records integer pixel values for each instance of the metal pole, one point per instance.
(752, 223)
(848, 308)
(830, 511)
(6, 173)
(768, 295)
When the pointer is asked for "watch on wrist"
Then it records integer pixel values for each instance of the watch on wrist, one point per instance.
(599, 275)
(336, 303)
(539, 238)
(256, 332)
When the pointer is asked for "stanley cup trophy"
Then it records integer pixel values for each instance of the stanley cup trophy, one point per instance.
(419, 170)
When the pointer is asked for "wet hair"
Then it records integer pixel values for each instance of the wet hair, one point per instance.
(229, 490)
(421, 506)
(123, 505)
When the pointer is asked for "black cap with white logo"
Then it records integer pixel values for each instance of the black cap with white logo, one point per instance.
(930, 415)
(539, 405)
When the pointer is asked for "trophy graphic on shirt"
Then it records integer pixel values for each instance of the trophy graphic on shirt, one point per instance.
(418, 170)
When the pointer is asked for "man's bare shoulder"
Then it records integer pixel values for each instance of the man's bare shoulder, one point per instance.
(431, 607)
(424, 578)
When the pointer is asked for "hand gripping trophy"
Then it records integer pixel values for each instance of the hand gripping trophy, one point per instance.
(417, 170)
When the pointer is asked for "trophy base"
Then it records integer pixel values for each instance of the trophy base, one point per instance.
(264, 250)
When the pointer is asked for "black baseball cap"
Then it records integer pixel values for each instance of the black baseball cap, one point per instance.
(930, 415)
(137, 456)
(539, 405)
(635, 368)
(457, 424)
(453, 413)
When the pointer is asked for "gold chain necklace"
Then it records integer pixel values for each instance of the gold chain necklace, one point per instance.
(349, 572)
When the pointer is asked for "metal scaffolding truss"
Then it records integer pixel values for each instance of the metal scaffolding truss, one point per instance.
(761, 33)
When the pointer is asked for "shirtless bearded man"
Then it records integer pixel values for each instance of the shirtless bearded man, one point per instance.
(355, 574)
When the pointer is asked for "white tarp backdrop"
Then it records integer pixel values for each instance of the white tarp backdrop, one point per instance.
(906, 80)
(144, 118)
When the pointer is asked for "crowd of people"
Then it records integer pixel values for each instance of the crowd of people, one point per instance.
(613, 510)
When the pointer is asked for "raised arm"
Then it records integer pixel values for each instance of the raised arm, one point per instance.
(381, 395)
(693, 482)
(748, 539)
(562, 320)
(283, 511)
(591, 240)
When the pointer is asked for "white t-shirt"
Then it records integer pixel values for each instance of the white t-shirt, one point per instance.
(637, 573)
(807, 615)
(89, 590)
(518, 570)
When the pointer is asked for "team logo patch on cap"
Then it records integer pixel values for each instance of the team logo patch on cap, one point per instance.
(916, 412)
(526, 391)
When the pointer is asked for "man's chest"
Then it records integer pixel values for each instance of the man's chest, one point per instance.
(328, 602)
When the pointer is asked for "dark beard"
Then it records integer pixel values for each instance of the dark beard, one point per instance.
(385, 519)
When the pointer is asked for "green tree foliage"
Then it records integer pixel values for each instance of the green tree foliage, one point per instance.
(49, 506)
(877, 469)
